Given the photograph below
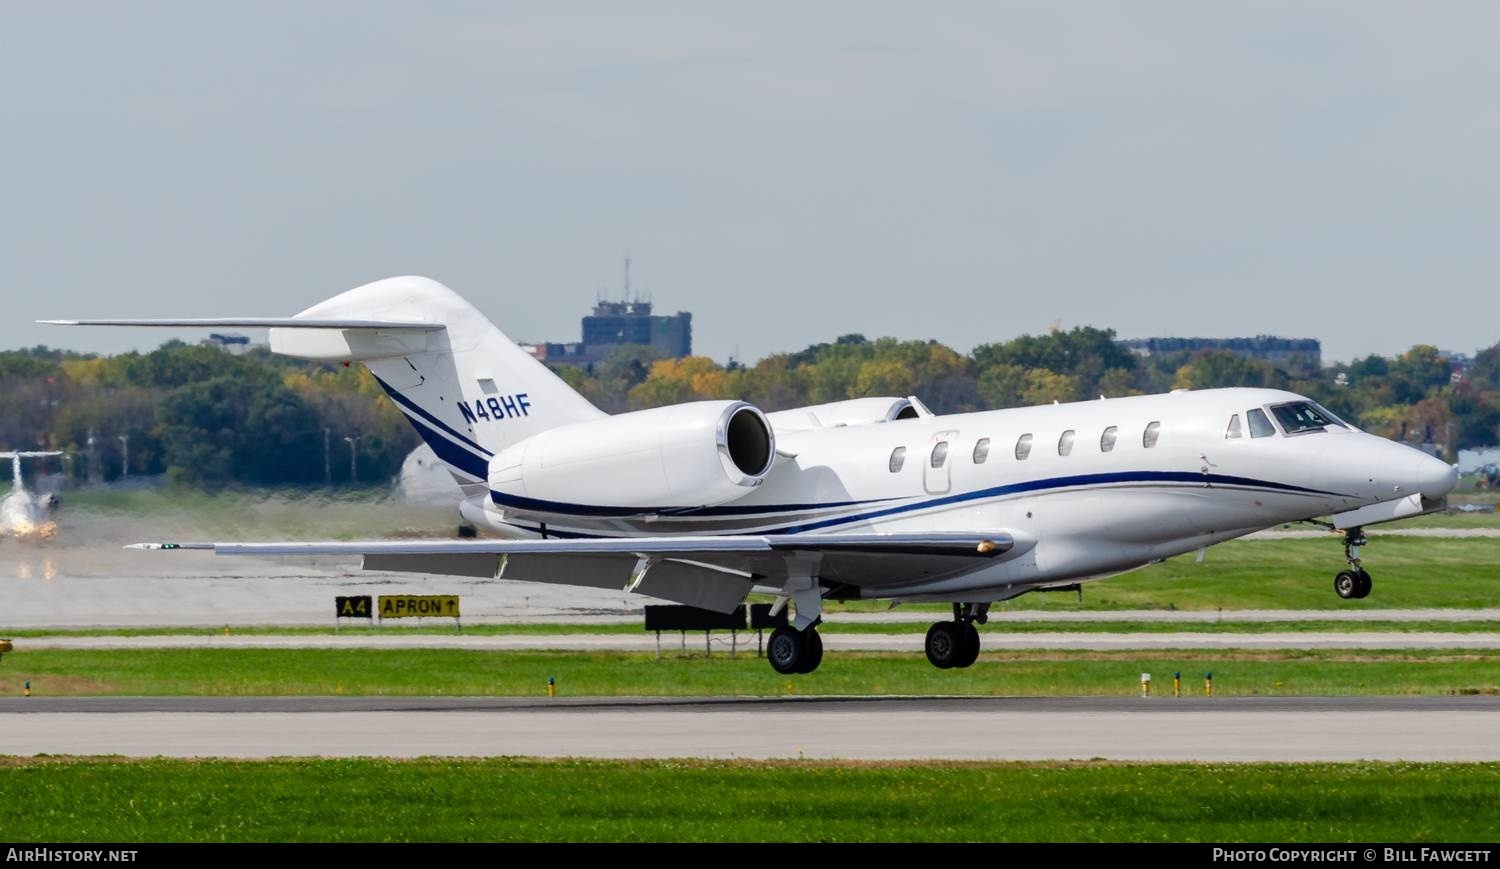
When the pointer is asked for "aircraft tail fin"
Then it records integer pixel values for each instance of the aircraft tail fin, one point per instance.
(467, 389)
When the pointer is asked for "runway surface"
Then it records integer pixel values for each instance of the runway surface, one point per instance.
(86, 580)
(993, 639)
(888, 728)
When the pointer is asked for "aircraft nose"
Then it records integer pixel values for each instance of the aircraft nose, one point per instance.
(1433, 477)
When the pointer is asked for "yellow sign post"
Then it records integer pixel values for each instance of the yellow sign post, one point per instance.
(416, 606)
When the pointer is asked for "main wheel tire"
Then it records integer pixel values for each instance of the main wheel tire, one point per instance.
(812, 654)
(970, 652)
(786, 650)
(1363, 583)
(945, 645)
(1346, 585)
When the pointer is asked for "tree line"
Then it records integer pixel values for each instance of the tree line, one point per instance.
(204, 417)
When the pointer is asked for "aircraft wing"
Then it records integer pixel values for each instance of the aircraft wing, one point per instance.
(709, 572)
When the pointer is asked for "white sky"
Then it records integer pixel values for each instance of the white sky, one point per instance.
(787, 171)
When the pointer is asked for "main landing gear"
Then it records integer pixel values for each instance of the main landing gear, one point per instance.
(793, 651)
(1354, 583)
(956, 643)
(797, 648)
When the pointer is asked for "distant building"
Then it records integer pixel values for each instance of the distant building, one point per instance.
(1281, 352)
(1458, 364)
(617, 324)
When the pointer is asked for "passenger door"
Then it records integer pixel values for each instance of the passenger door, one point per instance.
(937, 463)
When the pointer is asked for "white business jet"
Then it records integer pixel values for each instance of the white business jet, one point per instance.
(24, 516)
(703, 503)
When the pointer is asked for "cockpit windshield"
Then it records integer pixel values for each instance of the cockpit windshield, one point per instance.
(1303, 416)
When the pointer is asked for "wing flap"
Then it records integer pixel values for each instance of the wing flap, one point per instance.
(693, 584)
(480, 565)
(591, 571)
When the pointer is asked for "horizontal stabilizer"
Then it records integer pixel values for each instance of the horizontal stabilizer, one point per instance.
(258, 322)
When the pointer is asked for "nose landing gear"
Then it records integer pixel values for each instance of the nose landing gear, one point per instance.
(1354, 583)
(955, 644)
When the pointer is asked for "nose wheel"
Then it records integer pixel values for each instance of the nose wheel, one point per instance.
(955, 644)
(1354, 583)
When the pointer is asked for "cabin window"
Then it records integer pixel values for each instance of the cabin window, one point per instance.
(1107, 440)
(1065, 443)
(1234, 428)
(1153, 431)
(1260, 424)
(1023, 447)
(981, 451)
(898, 458)
(939, 454)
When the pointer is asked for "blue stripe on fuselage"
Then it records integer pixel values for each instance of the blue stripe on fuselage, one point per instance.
(451, 453)
(1198, 480)
(1060, 483)
(538, 505)
(412, 406)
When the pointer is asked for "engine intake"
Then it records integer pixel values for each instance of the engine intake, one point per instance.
(746, 438)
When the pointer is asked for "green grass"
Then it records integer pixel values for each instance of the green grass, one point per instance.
(454, 672)
(998, 625)
(101, 800)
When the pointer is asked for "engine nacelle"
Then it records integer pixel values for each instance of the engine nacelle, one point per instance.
(855, 411)
(682, 456)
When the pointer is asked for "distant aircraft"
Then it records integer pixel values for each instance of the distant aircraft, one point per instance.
(24, 516)
(703, 503)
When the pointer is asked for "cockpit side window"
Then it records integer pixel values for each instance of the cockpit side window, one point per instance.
(1234, 428)
(1300, 417)
(1331, 415)
(1260, 424)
